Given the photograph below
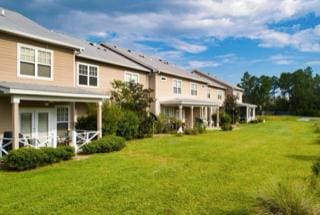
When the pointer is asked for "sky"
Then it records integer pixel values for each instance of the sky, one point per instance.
(221, 37)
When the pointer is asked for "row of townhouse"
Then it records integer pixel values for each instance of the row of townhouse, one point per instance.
(47, 78)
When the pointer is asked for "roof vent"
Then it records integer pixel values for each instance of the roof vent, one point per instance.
(140, 55)
(3, 12)
(115, 46)
(166, 62)
(105, 50)
(129, 50)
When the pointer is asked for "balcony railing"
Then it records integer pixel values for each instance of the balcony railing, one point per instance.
(82, 137)
(5, 145)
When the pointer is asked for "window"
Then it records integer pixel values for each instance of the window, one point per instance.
(209, 94)
(62, 121)
(194, 90)
(219, 95)
(163, 78)
(34, 62)
(130, 76)
(177, 87)
(88, 75)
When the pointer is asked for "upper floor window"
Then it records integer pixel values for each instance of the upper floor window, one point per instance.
(238, 96)
(34, 62)
(209, 94)
(130, 76)
(194, 89)
(219, 95)
(87, 75)
(177, 87)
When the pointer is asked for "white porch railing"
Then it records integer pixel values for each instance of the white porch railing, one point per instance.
(45, 141)
(4, 143)
(81, 138)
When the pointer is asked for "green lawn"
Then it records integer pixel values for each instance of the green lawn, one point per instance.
(214, 173)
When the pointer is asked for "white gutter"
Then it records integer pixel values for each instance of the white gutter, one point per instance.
(55, 94)
(43, 39)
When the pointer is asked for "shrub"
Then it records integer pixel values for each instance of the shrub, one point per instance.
(146, 126)
(200, 126)
(191, 131)
(226, 127)
(128, 126)
(87, 123)
(30, 158)
(106, 144)
(225, 119)
(287, 200)
(112, 115)
(316, 168)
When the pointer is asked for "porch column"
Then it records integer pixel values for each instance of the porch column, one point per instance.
(254, 113)
(191, 116)
(99, 118)
(206, 114)
(210, 116)
(201, 112)
(73, 116)
(247, 114)
(180, 112)
(15, 122)
(218, 117)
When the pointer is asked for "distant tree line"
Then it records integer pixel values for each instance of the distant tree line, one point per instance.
(296, 93)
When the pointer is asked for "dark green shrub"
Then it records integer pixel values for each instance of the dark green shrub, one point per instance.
(146, 126)
(191, 131)
(287, 200)
(106, 144)
(29, 158)
(225, 119)
(226, 127)
(128, 126)
(200, 126)
(88, 123)
(316, 168)
(112, 115)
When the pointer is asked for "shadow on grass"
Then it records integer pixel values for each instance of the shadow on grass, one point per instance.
(304, 157)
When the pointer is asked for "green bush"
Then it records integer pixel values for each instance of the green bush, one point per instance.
(287, 200)
(226, 127)
(112, 115)
(316, 168)
(146, 126)
(88, 123)
(128, 126)
(191, 131)
(166, 124)
(200, 126)
(225, 119)
(106, 144)
(30, 158)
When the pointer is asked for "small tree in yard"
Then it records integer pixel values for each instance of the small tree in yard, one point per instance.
(230, 106)
(133, 97)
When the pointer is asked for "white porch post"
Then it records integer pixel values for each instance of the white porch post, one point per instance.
(73, 116)
(180, 112)
(99, 119)
(206, 115)
(247, 114)
(191, 116)
(201, 112)
(210, 116)
(15, 122)
(218, 117)
(254, 113)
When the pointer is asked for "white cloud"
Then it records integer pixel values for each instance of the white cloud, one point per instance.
(281, 59)
(313, 63)
(198, 20)
(197, 64)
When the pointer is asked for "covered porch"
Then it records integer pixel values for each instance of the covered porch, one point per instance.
(188, 111)
(247, 112)
(43, 116)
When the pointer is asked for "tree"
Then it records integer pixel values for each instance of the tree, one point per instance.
(131, 96)
(230, 107)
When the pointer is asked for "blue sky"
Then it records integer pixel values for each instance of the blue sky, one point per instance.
(222, 37)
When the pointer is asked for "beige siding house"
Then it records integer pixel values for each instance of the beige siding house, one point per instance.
(46, 81)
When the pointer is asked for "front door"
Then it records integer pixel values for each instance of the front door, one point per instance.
(36, 126)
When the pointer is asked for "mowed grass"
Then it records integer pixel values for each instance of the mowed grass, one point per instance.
(214, 173)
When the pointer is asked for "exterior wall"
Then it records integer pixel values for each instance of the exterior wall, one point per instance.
(5, 114)
(109, 73)
(214, 95)
(239, 94)
(63, 62)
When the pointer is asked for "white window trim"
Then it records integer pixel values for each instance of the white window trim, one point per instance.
(88, 84)
(193, 84)
(178, 94)
(36, 49)
(131, 73)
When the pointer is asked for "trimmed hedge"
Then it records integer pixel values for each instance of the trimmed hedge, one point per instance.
(226, 127)
(106, 144)
(30, 158)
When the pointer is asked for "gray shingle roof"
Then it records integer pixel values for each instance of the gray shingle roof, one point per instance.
(15, 23)
(25, 88)
(155, 63)
(215, 80)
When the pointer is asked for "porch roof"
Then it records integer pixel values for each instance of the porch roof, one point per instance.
(240, 104)
(189, 102)
(26, 89)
